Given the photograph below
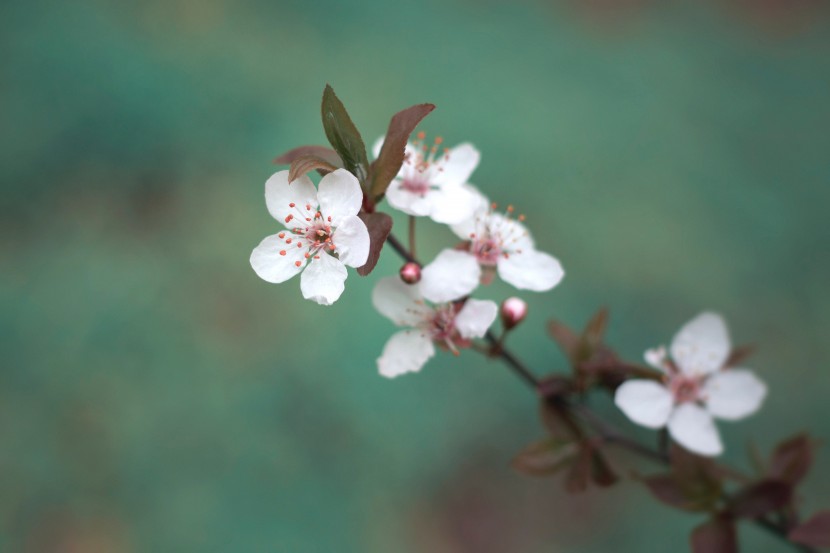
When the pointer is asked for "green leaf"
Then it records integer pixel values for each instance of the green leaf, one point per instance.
(303, 165)
(760, 498)
(815, 532)
(391, 156)
(716, 535)
(322, 152)
(601, 472)
(545, 457)
(594, 332)
(379, 226)
(580, 474)
(343, 136)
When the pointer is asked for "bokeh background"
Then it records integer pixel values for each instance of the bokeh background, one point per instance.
(155, 395)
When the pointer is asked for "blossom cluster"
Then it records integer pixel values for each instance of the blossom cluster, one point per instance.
(334, 225)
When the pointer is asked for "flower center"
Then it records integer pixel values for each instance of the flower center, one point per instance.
(495, 236)
(684, 388)
(421, 165)
(313, 236)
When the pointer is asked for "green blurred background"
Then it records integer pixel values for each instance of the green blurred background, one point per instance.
(155, 395)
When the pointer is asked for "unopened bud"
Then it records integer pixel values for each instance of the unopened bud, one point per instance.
(513, 311)
(410, 273)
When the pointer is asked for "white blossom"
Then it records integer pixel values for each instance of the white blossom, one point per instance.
(502, 244)
(449, 325)
(696, 387)
(322, 233)
(432, 182)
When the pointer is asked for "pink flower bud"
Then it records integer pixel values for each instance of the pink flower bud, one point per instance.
(513, 311)
(410, 273)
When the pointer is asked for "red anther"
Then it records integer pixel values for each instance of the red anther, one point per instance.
(410, 273)
(328, 219)
(438, 140)
(308, 207)
(521, 217)
(292, 204)
(282, 252)
(281, 235)
(288, 241)
(308, 219)
(472, 235)
(510, 209)
(288, 218)
(316, 257)
(421, 135)
(494, 205)
(297, 263)
(299, 244)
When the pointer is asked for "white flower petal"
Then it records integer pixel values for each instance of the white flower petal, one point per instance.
(408, 202)
(531, 270)
(474, 223)
(646, 402)
(279, 195)
(377, 146)
(734, 393)
(656, 357)
(351, 239)
(400, 302)
(405, 352)
(453, 204)
(692, 426)
(323, 280)
(475, 318)
(340, 196)
(460, 163)
(270, 266)
(452, 275)
(702, 345)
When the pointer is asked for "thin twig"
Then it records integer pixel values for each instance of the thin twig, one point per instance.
(607, 432)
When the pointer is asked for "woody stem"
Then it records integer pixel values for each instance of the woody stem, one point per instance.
(603, 429)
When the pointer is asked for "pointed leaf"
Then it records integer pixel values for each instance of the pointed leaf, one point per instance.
(566, 339)
(760, 498)
(323, 152)
(391, 156)
(594, 331)
(601, 472)
(665, 488)
(580, 474)
(557, 420)
(739, 355)
(303, 165)
(545, 457)
(815, 532)
(343, 135)
(716, 535)
(791, 460)
(379, 226)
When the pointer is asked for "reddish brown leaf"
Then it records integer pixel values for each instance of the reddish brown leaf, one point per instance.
(580, 474)
(791, 460)
(760, 498)
(322, 152)
(391, 156)
(566, 338)
(601, 472)
(379, 225)
(739, 354)
(717, 535)
(303, 165)
(815, 532)
(545, 457)
(557, 420)
(665, 488)
(594, 331)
